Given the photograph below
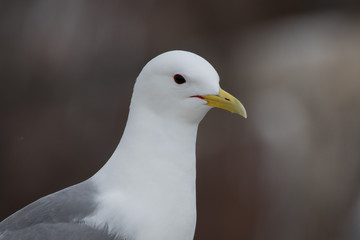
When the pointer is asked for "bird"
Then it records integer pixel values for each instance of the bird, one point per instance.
(146, 190)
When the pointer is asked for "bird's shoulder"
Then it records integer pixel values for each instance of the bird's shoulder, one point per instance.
(69, 204)
(58, 231)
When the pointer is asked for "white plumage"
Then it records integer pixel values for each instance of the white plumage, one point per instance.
(146, 191)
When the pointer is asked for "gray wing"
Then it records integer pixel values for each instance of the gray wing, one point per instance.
(57, 231)
(56, 216)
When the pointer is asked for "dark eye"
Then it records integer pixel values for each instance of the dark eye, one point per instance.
(179, 79)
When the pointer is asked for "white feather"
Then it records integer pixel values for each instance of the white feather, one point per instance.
(147, 188)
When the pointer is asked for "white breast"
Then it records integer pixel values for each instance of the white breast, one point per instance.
(147, 215)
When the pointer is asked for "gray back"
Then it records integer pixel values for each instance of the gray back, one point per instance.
(56, 216)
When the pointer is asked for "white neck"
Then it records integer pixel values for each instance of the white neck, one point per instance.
(156, 184)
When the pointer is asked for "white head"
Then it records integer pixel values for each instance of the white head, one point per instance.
(154, 164)
(182, 85)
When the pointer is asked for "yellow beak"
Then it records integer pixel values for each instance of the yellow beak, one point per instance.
(225, 101)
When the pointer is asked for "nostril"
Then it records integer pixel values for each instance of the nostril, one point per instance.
(227, 99)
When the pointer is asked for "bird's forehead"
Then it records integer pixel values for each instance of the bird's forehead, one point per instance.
(182, 62)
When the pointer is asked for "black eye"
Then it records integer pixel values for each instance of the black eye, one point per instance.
(179, 79)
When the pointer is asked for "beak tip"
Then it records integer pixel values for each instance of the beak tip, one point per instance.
(244, 115)
(242, 111)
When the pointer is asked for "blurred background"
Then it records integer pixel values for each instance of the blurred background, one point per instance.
(290, 171)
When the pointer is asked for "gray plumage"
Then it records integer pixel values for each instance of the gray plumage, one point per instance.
(57, 216)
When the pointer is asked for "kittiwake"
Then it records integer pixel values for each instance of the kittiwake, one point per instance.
(146, 190)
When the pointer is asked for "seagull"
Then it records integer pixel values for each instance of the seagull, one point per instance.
(146, 190)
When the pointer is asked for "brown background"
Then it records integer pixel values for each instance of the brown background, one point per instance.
(289, 172)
